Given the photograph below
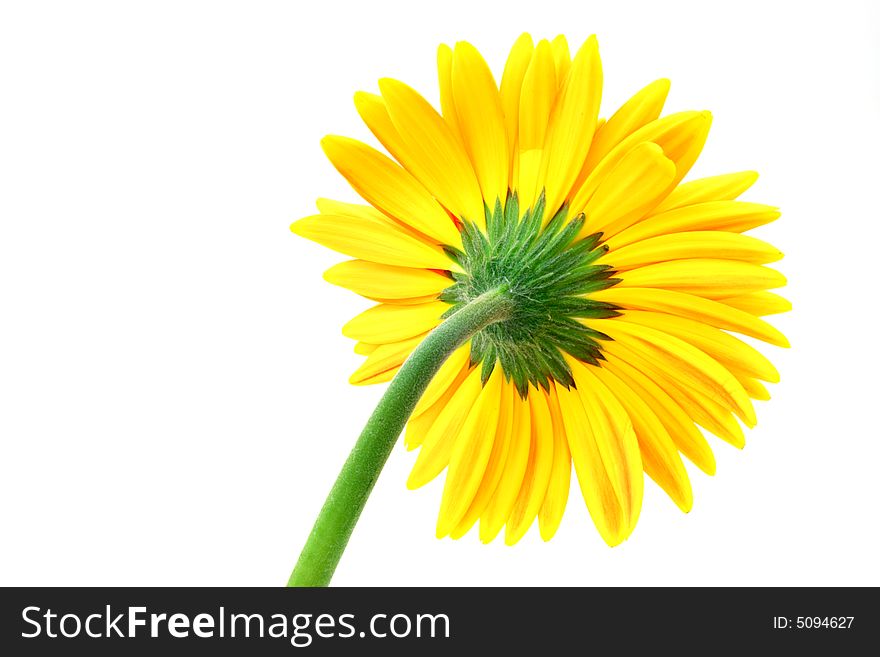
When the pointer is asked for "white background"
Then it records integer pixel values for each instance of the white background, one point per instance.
(174, 401)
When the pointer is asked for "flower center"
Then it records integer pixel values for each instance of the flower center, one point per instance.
(549, 273)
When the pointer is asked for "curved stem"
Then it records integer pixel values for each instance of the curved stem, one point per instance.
(349, 494)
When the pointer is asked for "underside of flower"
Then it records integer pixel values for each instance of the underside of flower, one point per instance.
(621, 288)
(548, 269)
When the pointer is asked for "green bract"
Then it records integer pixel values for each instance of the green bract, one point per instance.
(548, 273)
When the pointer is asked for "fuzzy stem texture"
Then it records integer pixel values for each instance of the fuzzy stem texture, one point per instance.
(335, 523)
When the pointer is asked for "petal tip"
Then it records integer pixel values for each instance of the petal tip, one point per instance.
(547, 533)
(301, 226)
(442, 530)
(414, 482)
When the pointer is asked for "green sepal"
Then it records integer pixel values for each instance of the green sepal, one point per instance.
(549, 272)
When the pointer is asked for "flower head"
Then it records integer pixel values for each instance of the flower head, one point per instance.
(625, 286)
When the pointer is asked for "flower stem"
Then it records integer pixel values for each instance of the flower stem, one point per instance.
(325, 545)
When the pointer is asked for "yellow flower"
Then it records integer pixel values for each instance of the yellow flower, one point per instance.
(625, 286)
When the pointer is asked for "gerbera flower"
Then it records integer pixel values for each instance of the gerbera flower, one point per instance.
(602, 293)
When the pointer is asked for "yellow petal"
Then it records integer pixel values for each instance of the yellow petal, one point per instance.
(725, 187)
(392, 323)
(537, 98)
(431, 152)
(405, 301)
(511, 88)
(754, 387)
(500, 506)
(695, 401)
(705, 277)
(685, 147)
(556, 497)
(658, 452)
(692, 367)
(372, 240)
(358, 210)
(693, 244)
(679, 425)
(631, 189)
(677, 134)
(759, 303)
(389, 187)
(598, 493)
(495, 466)
(571, 126)
(374, 113)
(537, 475)
(733, 216)
(644, 107)
(451, 370)
(328, 206)
(384, 358)
(447, 101)
(615, 439)
(438, 443)
(383, 376)
(714, 313)
(561, 58)
(368, 213)
(470, 455)
(420, 423)
(481, 120)
(418, 426)
(711, 415)
(723, 347)
(364, 349)
(371, 279)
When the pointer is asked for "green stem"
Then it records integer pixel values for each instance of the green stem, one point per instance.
(349, 494)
